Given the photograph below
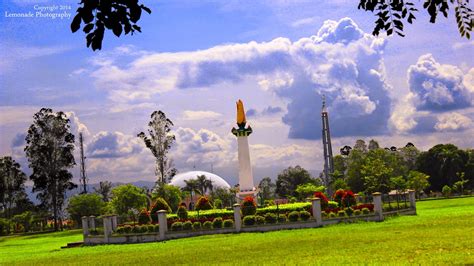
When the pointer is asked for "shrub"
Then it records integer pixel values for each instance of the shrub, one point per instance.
(292, 199)
(150, 228)
(369, 206)
(349, 211)
(337, 196)
(203, 203)
(228, 223)
(136, 229)
(282, 218)
(357, 212)
(187, 225)
(341, 213)
(160, 204)
(156, 228)
(269, 203)
(128, 229)
(249, 207)
(324, 214)
(4, 226)
(348, 199)
(144, 217)
(332, 215)
(259, 219)
(304, 215)
(218, 204)
(196, 226)
(293, 216)
(324, 199)
(217, 223)
(177, 226)
(182, 212)
(207, 225)
(446, 190)
(332, 204)
(270, 218)
(365, 211)
(120, 230)
(249, 220)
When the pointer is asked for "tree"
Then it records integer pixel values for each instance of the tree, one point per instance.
(289, 179)
(85, 205)
(354, 176)
(127, 198)
(446, 190)
(192, 187)
(373, 145)
(204, 184)
(171, 194)
(267, 189)
(459, 185)
(12, 184)
(392, 13)
(224, 195)
(360, 145)
(339, 183)
(409, 153)
(159, 141)
(442, 163)
(116, 15)
(104, 189)
(417, 181)
(49, 149)
(376, 175)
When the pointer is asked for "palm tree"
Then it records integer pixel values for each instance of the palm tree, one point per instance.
(192, 186)
(104, 190)
(205, 184)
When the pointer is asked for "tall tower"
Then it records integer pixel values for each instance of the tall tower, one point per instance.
(328, 160)
(245, 168)
(83, 166)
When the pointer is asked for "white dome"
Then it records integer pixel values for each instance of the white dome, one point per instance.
(217, 181)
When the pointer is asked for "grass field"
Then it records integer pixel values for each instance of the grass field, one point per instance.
(441, 233)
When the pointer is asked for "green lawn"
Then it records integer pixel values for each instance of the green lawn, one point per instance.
(441, 233)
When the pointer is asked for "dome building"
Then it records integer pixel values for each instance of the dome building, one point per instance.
(217, 181)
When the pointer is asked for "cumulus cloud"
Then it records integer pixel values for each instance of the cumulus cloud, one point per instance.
(200, 115)
(340, 61)
(435, 90)
(112, 145)
(76, 125)
(453, 122)
(438, 87)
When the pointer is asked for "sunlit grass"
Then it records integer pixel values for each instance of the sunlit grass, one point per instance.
(441, 233)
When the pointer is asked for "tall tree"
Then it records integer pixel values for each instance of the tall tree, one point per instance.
(49, 149)
(104, 190)
(127, 198)
(373, 145)
(290, 178)
(417, 181)
(204, 184)
(360, 145)
(12, 184)
(159, 141)
(267, 188)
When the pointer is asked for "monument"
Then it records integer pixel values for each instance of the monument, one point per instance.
(246, 187)
(328, 159)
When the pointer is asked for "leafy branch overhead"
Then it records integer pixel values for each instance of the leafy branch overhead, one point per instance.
(391, 14)
(120, 16)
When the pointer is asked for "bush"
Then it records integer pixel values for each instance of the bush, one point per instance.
(293, 216)
(341, 213)
(4, 226)
(365, 211)
(156, 228)
(196, 226)
(269, 203)
(324, 199)
(177, 226)
(150, 228)
(228, 223)
(337, 196)
(357, 212)
(332, 215)
(187, 225)
(207, 225)
(144, 217)
(120, 230)
(128, 229)
(270, 218)
(304, 215)
(182, 212)
(249, 220)
(160, 204)
(136, 229)
(332, 204)
(203, 203)
(249, 207)
(217, 223)
(324, 215)
(446, 190)
(349, 211)
(348, 199)
(259, 219)
(282, 218)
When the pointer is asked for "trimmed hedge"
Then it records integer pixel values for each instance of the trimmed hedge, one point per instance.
(187, 225)
(207, 225)
(177, 226)
(259, 219)
(196, 226)
(249, 220)
(270, 218)
(304, 215)
(293, 216)
(217, 223)
(285, 208)
(228, 223)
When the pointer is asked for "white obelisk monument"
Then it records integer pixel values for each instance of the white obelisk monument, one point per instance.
(246, 186)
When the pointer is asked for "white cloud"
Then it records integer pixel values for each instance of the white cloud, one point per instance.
(303, 22)
(200, 115)
(113, 144)
(453, 122)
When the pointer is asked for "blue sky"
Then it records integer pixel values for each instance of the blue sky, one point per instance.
(194, 59)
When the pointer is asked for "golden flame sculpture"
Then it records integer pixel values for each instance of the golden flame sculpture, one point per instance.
(240, 113)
